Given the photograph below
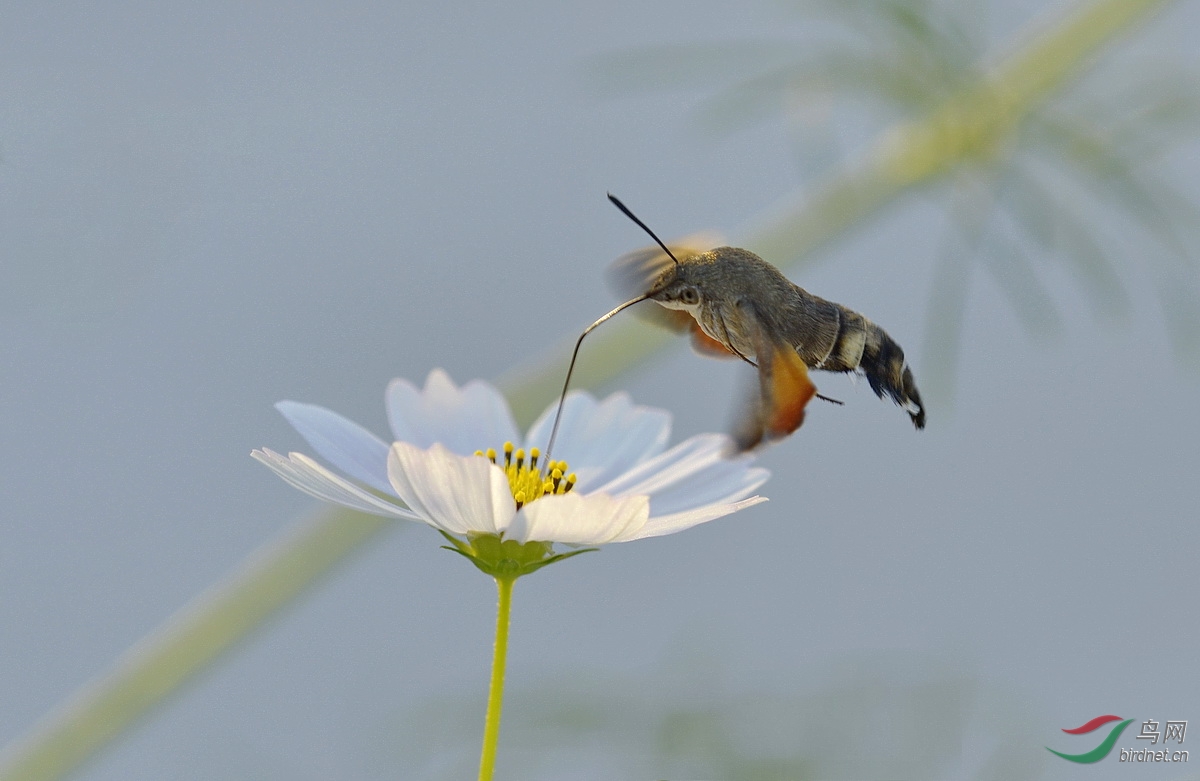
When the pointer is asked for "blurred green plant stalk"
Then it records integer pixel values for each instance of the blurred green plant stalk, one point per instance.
(967, 128)
(908, 154)
(187, 642)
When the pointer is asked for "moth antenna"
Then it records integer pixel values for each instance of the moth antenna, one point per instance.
(575, 354)
(830, 400)
(625, 210)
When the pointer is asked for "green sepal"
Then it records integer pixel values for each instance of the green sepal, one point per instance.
(459, 545)
(506, 559)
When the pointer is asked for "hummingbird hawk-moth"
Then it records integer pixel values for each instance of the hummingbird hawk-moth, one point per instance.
(737, 305)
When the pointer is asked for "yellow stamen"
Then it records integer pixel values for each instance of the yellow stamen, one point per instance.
(526, 481)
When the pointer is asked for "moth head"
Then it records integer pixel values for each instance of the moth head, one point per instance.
(675, 289)
(669, 275)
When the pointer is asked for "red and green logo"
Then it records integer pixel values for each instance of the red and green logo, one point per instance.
(1106, 745)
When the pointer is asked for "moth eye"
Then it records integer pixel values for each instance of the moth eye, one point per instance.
(689, 296)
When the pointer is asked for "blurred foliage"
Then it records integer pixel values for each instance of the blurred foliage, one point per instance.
(688, 721)
(1079, 176)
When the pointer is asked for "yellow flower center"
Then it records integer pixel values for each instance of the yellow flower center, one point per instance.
(526, 479)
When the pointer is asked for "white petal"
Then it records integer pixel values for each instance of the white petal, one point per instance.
(601, 440)
(314, 479)
(717, 483)
(695, 472)
(341, 442)
(677, 522)
(474, 417)
(580, 520)
(662, 470)
(458, 494)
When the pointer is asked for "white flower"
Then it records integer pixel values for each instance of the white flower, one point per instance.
(624, 483)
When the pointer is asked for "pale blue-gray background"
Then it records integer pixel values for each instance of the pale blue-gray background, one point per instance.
(206, 208)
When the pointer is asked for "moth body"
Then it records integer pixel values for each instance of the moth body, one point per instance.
(746, 305)
(737, 304)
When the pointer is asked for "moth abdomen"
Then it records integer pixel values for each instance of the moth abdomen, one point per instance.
(889, 374)
(846, 341)
(850, 340)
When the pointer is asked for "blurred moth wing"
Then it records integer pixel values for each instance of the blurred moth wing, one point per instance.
(784, 391)
(636, 272)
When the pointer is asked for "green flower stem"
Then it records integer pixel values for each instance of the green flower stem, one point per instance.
(905, 155)
(491, 725)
